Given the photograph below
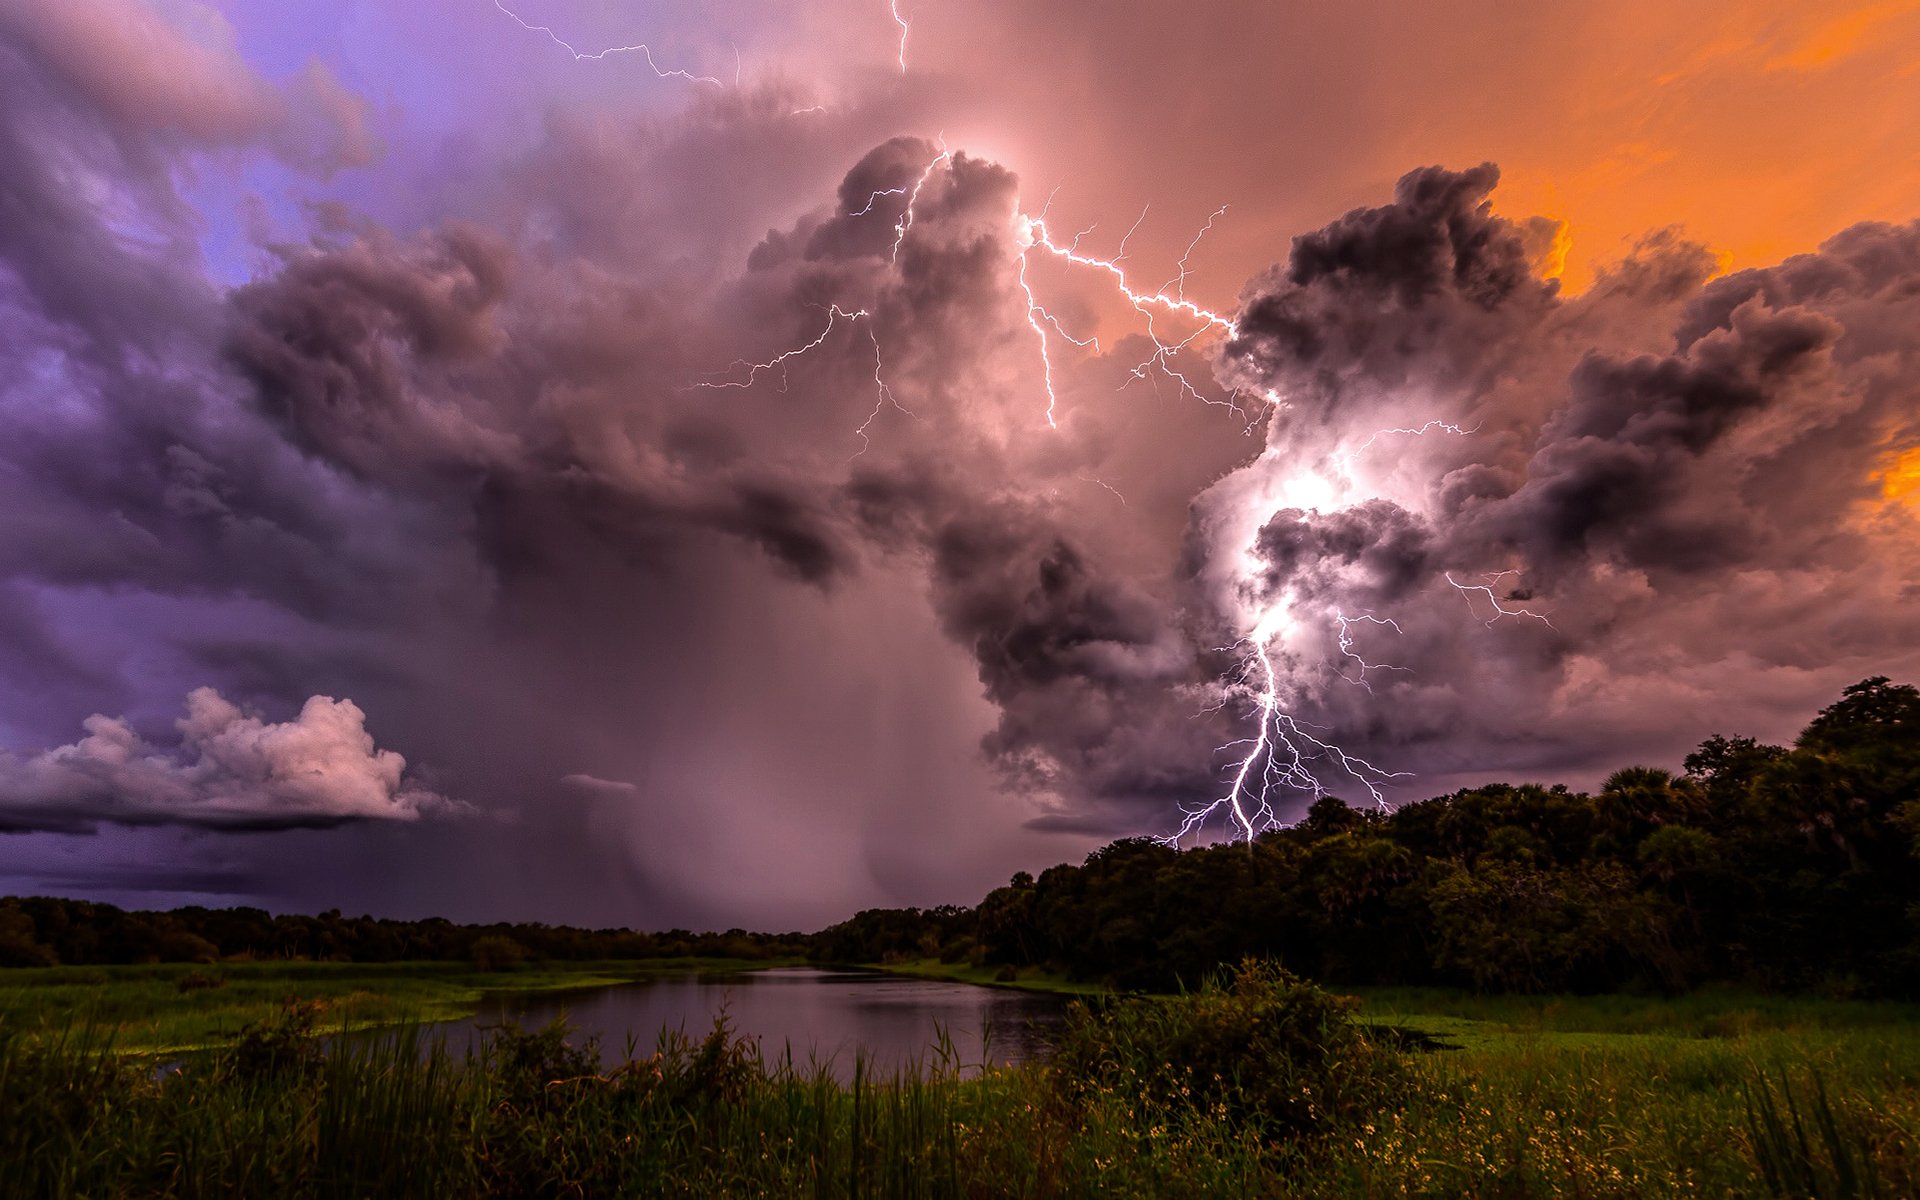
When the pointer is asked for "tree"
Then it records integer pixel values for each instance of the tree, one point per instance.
(497, 953)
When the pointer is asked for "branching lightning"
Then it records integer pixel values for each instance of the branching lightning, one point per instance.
(780, 362)
(1499, 610)
(1345, 640)
(1284, 754)
(1168, 300)
(1281, 754)
(905, 221)
(640, 48)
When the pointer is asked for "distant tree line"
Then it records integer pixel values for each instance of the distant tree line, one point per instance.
(1771, 866)
(1778, 867)
(43, 931)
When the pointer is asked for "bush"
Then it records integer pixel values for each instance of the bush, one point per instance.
(528, 1063)
(1262, 1047)
(279, 1046)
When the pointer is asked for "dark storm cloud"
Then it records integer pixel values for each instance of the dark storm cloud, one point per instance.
(1087, 667)
(1374, 552)
(129, 466)
(1678, 475)
(489, 473)
(1422, 284)
(144, 877)
(1617, 461)
(130, 472)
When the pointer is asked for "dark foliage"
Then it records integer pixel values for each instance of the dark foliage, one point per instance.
(1261, 1046)
(45, 931)
(1779, 867)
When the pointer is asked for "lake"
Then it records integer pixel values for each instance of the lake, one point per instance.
(827, 1016)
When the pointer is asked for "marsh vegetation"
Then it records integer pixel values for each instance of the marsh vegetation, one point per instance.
(1256, 1084)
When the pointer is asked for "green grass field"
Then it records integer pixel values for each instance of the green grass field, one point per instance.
(1628, 1096)
(146, 1008)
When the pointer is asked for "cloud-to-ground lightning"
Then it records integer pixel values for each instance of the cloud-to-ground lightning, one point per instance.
(640, 48)
(1282, 754)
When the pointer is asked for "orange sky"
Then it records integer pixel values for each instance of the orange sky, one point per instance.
(1761, 133)
(1759, 127)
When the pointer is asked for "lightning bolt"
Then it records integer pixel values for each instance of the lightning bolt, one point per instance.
(1169, 300)
(1281, 754)
(1038, 236)
(905, 221)
(1345, 640)
(1499, 610)
(780, 362)
(640, 48)
(1031, 233)
(875, 199)
(1095, 479)
(906, 26)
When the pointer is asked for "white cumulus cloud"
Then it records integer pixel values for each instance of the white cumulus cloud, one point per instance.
(230, 770)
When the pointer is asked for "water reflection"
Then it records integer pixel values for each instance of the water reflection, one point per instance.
(822, 1016)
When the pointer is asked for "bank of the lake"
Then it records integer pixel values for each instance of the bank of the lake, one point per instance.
(1030, 979)
(173, 1008)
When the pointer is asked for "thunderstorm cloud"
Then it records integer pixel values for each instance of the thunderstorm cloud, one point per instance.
(723, 495)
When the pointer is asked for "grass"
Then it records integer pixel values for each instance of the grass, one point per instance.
(1717, 1094)
(158, 1008)
(1639, 1096)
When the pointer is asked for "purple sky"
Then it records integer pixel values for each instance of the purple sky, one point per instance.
(393, 515)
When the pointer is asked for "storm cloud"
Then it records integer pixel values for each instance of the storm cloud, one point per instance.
(683, 488)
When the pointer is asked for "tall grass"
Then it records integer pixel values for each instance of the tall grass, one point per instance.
(1262, 1086)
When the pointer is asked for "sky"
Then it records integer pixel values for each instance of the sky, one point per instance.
(732, 464)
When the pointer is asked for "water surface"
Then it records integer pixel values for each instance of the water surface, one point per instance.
(824, 1016)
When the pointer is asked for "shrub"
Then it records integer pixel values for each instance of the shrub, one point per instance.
(1262, 1047)
(282, 1045)
(527, 1063)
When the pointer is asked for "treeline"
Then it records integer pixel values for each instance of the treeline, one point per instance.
(1778, 867)
(43, 931)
